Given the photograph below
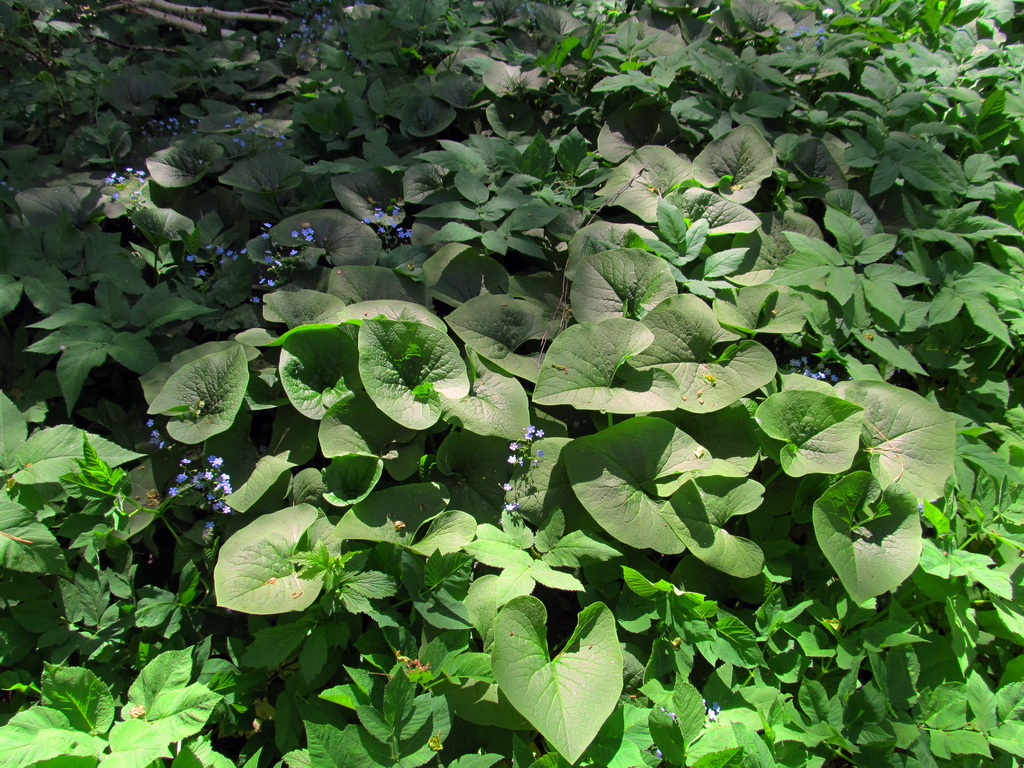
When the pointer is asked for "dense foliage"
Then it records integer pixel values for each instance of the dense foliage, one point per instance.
(491, 383)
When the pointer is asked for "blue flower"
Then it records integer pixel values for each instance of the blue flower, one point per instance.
(215, 461)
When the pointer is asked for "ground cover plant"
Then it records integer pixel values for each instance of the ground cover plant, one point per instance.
(469, 384)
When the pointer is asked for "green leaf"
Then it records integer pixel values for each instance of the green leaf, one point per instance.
(723, 216)
(163, 225)
(871, 536)
(268, 174)
(406, 367)
(497, 326)
(762, 309)
(821, 432)
(81, 696)
(358, 426)
(567, 697)
(351, 478)
(256, 571)
(38, 734)
(586, 367)
(183, 163)
(318, 368)
(204, 395)
(496, 404)
(51, 453)
(345, 239)
(704, 506)
(742, 156)
(619, 473)
(641, 182)
(686, 334)
(393, 515)
(136, 744)
(624, 282)
(26, 545)
(909, 440)
(13, 430)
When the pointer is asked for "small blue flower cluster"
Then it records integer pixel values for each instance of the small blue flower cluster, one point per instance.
(387, 226)
(6, 187)
(528, 10)
(204, 263)
(169, 127)
(806, 32)
(127, 186)
(318, 24)
(521, 451)
(802, 365)
(278, 261)
(521, 454)
(212, 484)
(155, 437)
(252, 128)
(713, 710)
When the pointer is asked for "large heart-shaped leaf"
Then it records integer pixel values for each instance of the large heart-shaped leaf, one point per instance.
(302, 307)
(687, 339)
(267, 174)
(350, 478)
(184, 163)
(704, 506)
(568, 697)
(318, 368)
(358, 426)
(619, 473)
(406, 367)
(496, 326)
(871, 536)
(203, 396)
(909, 440)
(346, 240)
(496, 404)
(644, 178)
(742, 158)
(821, 432)
(625, 282)
(392, 308)
(256, 571)
(762, 309)
(457, 273)
(393, 514)
(586, 367)
(723, 216)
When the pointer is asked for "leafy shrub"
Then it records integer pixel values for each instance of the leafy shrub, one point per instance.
(607, 384)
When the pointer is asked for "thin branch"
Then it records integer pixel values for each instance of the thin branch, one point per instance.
(129, 47)
(11, 536)
(204, 10)
(168, 18)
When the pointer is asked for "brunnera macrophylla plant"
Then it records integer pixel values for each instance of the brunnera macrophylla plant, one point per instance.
(520, 384)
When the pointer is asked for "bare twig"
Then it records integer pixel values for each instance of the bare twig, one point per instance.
(130, 47)
(168, 18)
(11, 536)
(204, 10)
